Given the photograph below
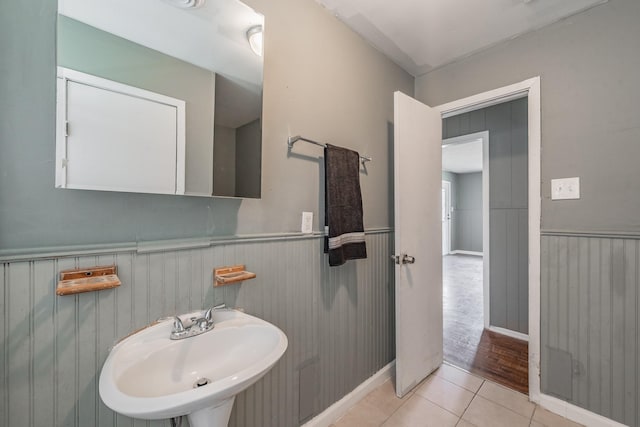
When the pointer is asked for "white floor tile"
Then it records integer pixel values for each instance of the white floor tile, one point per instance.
(508, 398)
(485, 413)
(419, 412)
(459, 377)
(443, 393)
(549, 419)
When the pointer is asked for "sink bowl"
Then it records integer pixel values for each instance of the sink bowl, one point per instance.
(149, 376)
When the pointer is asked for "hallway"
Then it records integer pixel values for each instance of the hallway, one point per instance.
(466, 344)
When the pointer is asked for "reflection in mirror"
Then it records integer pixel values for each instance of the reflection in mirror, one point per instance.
(156, 98)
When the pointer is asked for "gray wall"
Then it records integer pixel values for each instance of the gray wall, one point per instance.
(224, 161)
(466, 218)
(248, 158)
(508, 222)
(590, 123)
(339, 320)
(92, 51)
(590, 127)
(340, 91)
(468, 221)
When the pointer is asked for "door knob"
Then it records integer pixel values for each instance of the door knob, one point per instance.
(408, 259)
(403, 259)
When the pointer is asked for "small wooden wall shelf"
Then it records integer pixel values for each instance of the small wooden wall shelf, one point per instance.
(228, 275)
(87, 280)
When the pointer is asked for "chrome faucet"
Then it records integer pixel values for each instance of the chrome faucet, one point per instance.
(197, 326)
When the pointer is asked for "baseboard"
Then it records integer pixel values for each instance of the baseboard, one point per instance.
(338, 409)
(465, 253)
(509, 333)
(576, 413)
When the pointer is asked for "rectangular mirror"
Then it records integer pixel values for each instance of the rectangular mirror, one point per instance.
(159, 96)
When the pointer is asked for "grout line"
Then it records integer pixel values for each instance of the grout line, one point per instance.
(535, 408)
(434, 403)
(407, 397)
(490, 400)
(472, 399)
(506, 407)
(459, 386)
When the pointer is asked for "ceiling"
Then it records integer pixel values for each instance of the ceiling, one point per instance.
(212, 36)
(463, 157)
(422, 35)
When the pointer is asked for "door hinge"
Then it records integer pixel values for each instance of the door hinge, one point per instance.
(64, 163)
(66, 128)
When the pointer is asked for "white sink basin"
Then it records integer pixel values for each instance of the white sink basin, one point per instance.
(150, 376)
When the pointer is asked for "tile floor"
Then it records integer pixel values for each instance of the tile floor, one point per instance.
(450, 397)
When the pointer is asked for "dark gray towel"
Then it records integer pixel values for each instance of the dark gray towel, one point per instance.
(343, 206)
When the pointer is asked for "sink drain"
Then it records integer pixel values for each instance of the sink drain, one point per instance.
(201, 382)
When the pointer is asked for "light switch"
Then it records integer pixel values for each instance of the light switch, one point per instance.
(307, 222)
(565, 188)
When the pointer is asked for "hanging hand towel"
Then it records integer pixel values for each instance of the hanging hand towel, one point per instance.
(343, 206)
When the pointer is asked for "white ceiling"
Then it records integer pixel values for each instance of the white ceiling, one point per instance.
(421, 35)
(212, 36)
(464, 157)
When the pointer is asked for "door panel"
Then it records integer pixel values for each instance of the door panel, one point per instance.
(417, 185)
(119, 142)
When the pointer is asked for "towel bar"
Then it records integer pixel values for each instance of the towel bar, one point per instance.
(293, 139)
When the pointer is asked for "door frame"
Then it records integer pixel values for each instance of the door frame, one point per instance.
(447, 184)
(486, 254)
(529, 88)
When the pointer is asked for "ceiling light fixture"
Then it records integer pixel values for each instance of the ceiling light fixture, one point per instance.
(254, 35)
(186, 4)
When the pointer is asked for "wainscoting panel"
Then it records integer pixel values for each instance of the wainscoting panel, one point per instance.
(339, 322)
(589, 323)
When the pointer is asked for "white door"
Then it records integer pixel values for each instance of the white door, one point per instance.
(418, 252)
(118, 142)
(115, 137)
(446, 217)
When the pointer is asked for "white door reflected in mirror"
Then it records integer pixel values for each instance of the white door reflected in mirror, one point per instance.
(115, 137)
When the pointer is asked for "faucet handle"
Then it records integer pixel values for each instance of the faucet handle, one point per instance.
(177, 325)
(208, 315)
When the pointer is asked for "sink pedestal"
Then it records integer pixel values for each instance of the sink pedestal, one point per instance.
(213, 416)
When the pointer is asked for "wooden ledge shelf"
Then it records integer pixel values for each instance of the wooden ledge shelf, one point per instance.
(228, 275)
(87, 280)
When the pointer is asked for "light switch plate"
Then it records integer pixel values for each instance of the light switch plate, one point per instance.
(565, 188)
(307, 222)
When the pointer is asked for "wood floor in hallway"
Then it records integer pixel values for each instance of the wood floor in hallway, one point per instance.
(466, 344)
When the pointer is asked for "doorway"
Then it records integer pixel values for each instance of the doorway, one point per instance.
(418, 349)
(471, 341)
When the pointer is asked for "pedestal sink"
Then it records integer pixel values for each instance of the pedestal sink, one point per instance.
(149, 376)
